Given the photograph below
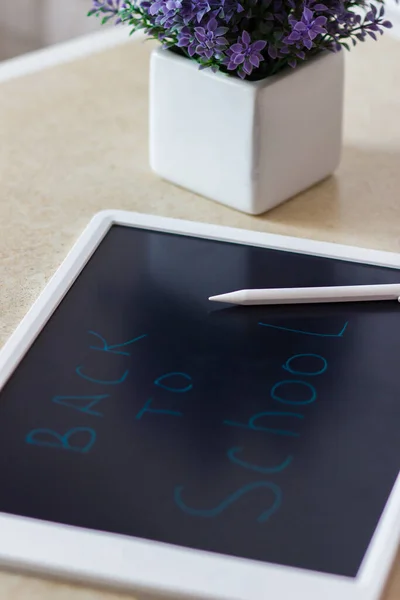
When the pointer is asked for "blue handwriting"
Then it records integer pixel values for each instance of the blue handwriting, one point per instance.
(82, 404)
(266, 470)
(214, 512)
(159, 411)
(112, 349)
(180, 390)
(287, 366)
(312, 398)
(250, 424)
(232, 452)
(340, 334)
(100, 381)
(62, 440)
(76, 402)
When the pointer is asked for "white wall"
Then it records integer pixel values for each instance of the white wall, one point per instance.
(22, 16)
(46, 21)
(393, 15)
(63, 20)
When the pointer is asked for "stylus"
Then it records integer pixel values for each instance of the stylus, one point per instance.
(309, 295)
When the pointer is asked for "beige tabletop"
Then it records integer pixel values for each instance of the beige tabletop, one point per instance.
(73, 141)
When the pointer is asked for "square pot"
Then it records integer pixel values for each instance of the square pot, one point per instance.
(248, 145)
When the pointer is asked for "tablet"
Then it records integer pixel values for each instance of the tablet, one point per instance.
(155, 441)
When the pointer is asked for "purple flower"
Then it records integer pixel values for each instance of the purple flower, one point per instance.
(173, 4)
(210, 40)
(107, 5)
(194, 10)
(159, 6)
(227, 9)
(244, 55)
(200, 8)
(109, 9)
(173, 13)
(187, 40)
(166, 13)
(272, 33)
(306, 30)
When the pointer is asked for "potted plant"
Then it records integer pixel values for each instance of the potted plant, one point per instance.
(246, 96)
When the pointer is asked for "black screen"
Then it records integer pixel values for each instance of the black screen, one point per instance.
(269, 433)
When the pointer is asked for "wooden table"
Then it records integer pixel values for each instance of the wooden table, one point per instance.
(73, 141)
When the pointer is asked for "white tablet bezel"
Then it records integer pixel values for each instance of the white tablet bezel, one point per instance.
(142, 565)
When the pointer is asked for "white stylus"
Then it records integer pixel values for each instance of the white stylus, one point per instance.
(312, 295)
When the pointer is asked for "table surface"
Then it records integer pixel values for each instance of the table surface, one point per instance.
(74, 141)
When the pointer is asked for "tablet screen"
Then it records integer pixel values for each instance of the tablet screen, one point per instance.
(268, 433)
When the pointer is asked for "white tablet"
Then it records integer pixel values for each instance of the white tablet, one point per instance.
(155, 441)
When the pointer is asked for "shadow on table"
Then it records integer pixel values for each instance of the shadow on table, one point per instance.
(361, 197)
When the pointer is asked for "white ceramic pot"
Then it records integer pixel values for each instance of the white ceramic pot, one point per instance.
(248, 145)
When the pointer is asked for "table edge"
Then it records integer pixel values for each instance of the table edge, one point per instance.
(64, 52)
